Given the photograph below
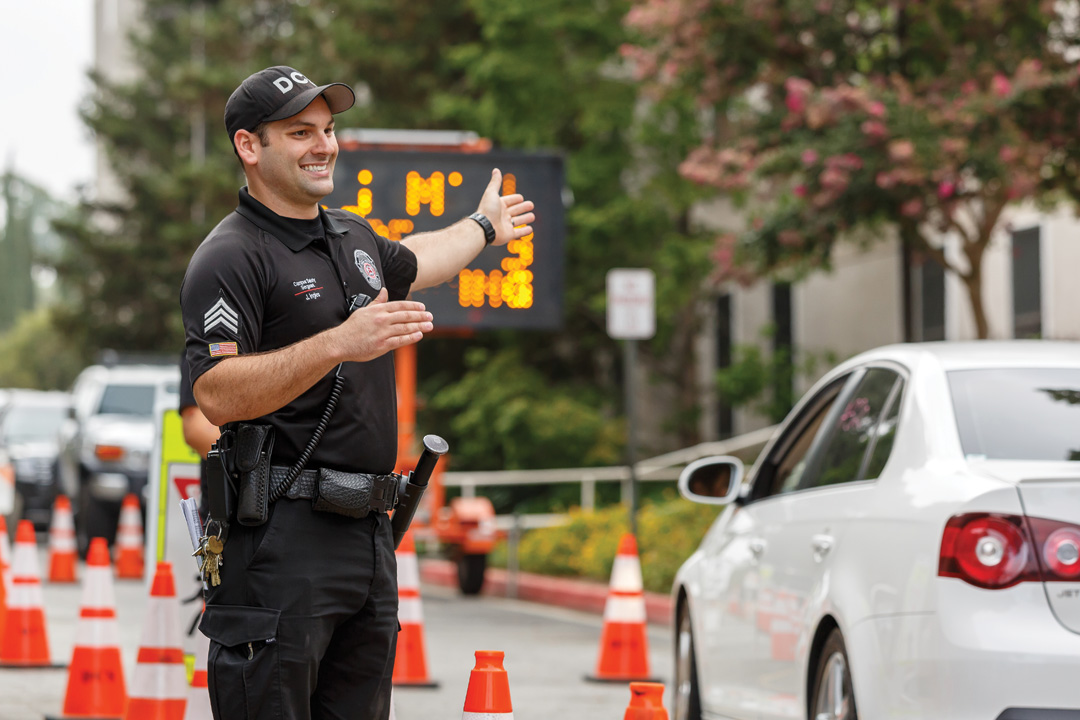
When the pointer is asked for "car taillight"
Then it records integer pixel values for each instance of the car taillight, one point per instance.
(995, 551)
(108, 453)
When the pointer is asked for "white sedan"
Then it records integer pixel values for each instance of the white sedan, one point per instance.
(906, 546)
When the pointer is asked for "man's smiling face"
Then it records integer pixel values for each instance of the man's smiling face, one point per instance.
(297, 163)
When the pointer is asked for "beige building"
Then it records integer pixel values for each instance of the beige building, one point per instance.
(883, 295)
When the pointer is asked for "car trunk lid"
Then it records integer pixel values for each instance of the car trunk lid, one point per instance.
(1049, 491)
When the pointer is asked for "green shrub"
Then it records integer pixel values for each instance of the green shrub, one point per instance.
(669, 530)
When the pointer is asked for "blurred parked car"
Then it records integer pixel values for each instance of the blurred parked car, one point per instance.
(30, 424)
(105, 450)
(906, 545)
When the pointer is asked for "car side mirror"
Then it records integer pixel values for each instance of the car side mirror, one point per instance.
(712, 480)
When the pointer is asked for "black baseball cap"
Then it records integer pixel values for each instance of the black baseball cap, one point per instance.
(277, 93)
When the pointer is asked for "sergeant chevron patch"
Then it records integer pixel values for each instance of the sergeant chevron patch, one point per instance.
(221, 314)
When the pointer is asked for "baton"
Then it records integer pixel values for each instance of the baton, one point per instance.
(412, 486)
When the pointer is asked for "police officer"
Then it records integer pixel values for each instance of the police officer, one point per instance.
(304, 621)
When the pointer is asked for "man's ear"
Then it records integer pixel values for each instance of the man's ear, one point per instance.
(247, 146)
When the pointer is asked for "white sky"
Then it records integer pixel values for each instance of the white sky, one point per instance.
(46, 48)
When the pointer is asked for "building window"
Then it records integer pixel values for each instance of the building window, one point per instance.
(1026, 284)
(725, 423)
(924, 290)
(783, 348)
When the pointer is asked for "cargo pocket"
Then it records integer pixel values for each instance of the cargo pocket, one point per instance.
(242, 667)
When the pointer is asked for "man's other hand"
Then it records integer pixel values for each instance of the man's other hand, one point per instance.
(381, 327)
(511, 215)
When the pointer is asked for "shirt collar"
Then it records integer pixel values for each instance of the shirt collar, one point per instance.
(269, 221)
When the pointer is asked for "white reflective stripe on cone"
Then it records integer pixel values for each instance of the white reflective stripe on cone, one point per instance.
(65, 544)
(62, 521)
(166, 681)
(408, 571)
(129, 538)
(487, 716)
(410, 611)
(626, 574)
(97, 632)
(164, 632)
(98, 588)
(25, 596)
(625, 609)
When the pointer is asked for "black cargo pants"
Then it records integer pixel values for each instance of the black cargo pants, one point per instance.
(304, 623)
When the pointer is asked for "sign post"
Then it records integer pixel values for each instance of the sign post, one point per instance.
(631, 316)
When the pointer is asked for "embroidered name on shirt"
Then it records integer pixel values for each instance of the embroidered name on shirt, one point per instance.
(307, 289)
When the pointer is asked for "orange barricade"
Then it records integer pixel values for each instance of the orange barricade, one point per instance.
(624, 649)
(159, 686)
(62, 542)
(129, 540)
(488, 696)
(410, 663)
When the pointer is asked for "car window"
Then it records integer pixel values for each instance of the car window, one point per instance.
(127, 400)
(854, 430)
(29, 423)
(1018, 413)
(885, 434)
(784, 473)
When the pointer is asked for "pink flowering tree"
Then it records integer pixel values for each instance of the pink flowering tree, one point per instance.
(834, 120)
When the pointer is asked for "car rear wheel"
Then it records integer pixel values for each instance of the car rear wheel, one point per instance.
(833, 697)
(687, 697)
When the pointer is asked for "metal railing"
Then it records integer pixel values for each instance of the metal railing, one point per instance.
(664, 467)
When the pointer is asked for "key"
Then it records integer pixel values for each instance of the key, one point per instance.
(211, 570)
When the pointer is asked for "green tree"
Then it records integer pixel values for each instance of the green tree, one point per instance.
(529, 75)
(836, 118)
(34, 354)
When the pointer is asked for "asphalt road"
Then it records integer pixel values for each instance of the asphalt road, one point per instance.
(548, 653)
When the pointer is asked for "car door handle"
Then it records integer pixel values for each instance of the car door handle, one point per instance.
(821, 545)
(757, 547)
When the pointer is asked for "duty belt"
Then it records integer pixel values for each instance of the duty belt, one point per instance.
(384, 488)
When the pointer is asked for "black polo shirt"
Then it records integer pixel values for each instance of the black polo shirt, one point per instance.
(260, 282)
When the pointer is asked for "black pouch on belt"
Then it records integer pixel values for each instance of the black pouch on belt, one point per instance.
(254, 446)
(343, 493)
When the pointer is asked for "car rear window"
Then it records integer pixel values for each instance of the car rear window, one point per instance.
(1018, 413)
(127, 400)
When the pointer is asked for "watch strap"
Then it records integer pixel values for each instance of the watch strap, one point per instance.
(485, 224)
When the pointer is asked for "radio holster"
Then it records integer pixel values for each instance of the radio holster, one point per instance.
(238, 474)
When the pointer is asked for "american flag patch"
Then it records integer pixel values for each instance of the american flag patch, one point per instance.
(220, 349)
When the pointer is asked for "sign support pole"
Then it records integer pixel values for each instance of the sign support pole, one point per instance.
(630, 373)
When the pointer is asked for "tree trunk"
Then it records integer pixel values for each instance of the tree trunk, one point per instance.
(973, 282)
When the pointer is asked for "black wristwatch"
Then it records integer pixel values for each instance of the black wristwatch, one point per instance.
(483, 222)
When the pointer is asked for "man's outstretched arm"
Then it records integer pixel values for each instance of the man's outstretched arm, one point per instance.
(440, 255)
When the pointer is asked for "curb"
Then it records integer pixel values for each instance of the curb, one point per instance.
(584, 595)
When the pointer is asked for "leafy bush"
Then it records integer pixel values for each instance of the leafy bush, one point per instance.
(668, 532)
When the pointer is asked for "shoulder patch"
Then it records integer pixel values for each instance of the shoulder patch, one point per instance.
(221, 314)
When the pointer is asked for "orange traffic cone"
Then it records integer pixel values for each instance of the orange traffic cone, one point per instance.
(129, 540)
(25, 643)
(646, 702)
(5, 572)
(624, 650)
(159, 685)
(62, 542)
(488, 696)
(198, 699)
(95, 686)
(410, 663)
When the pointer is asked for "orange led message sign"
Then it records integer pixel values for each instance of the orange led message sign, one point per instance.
(518, 285)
